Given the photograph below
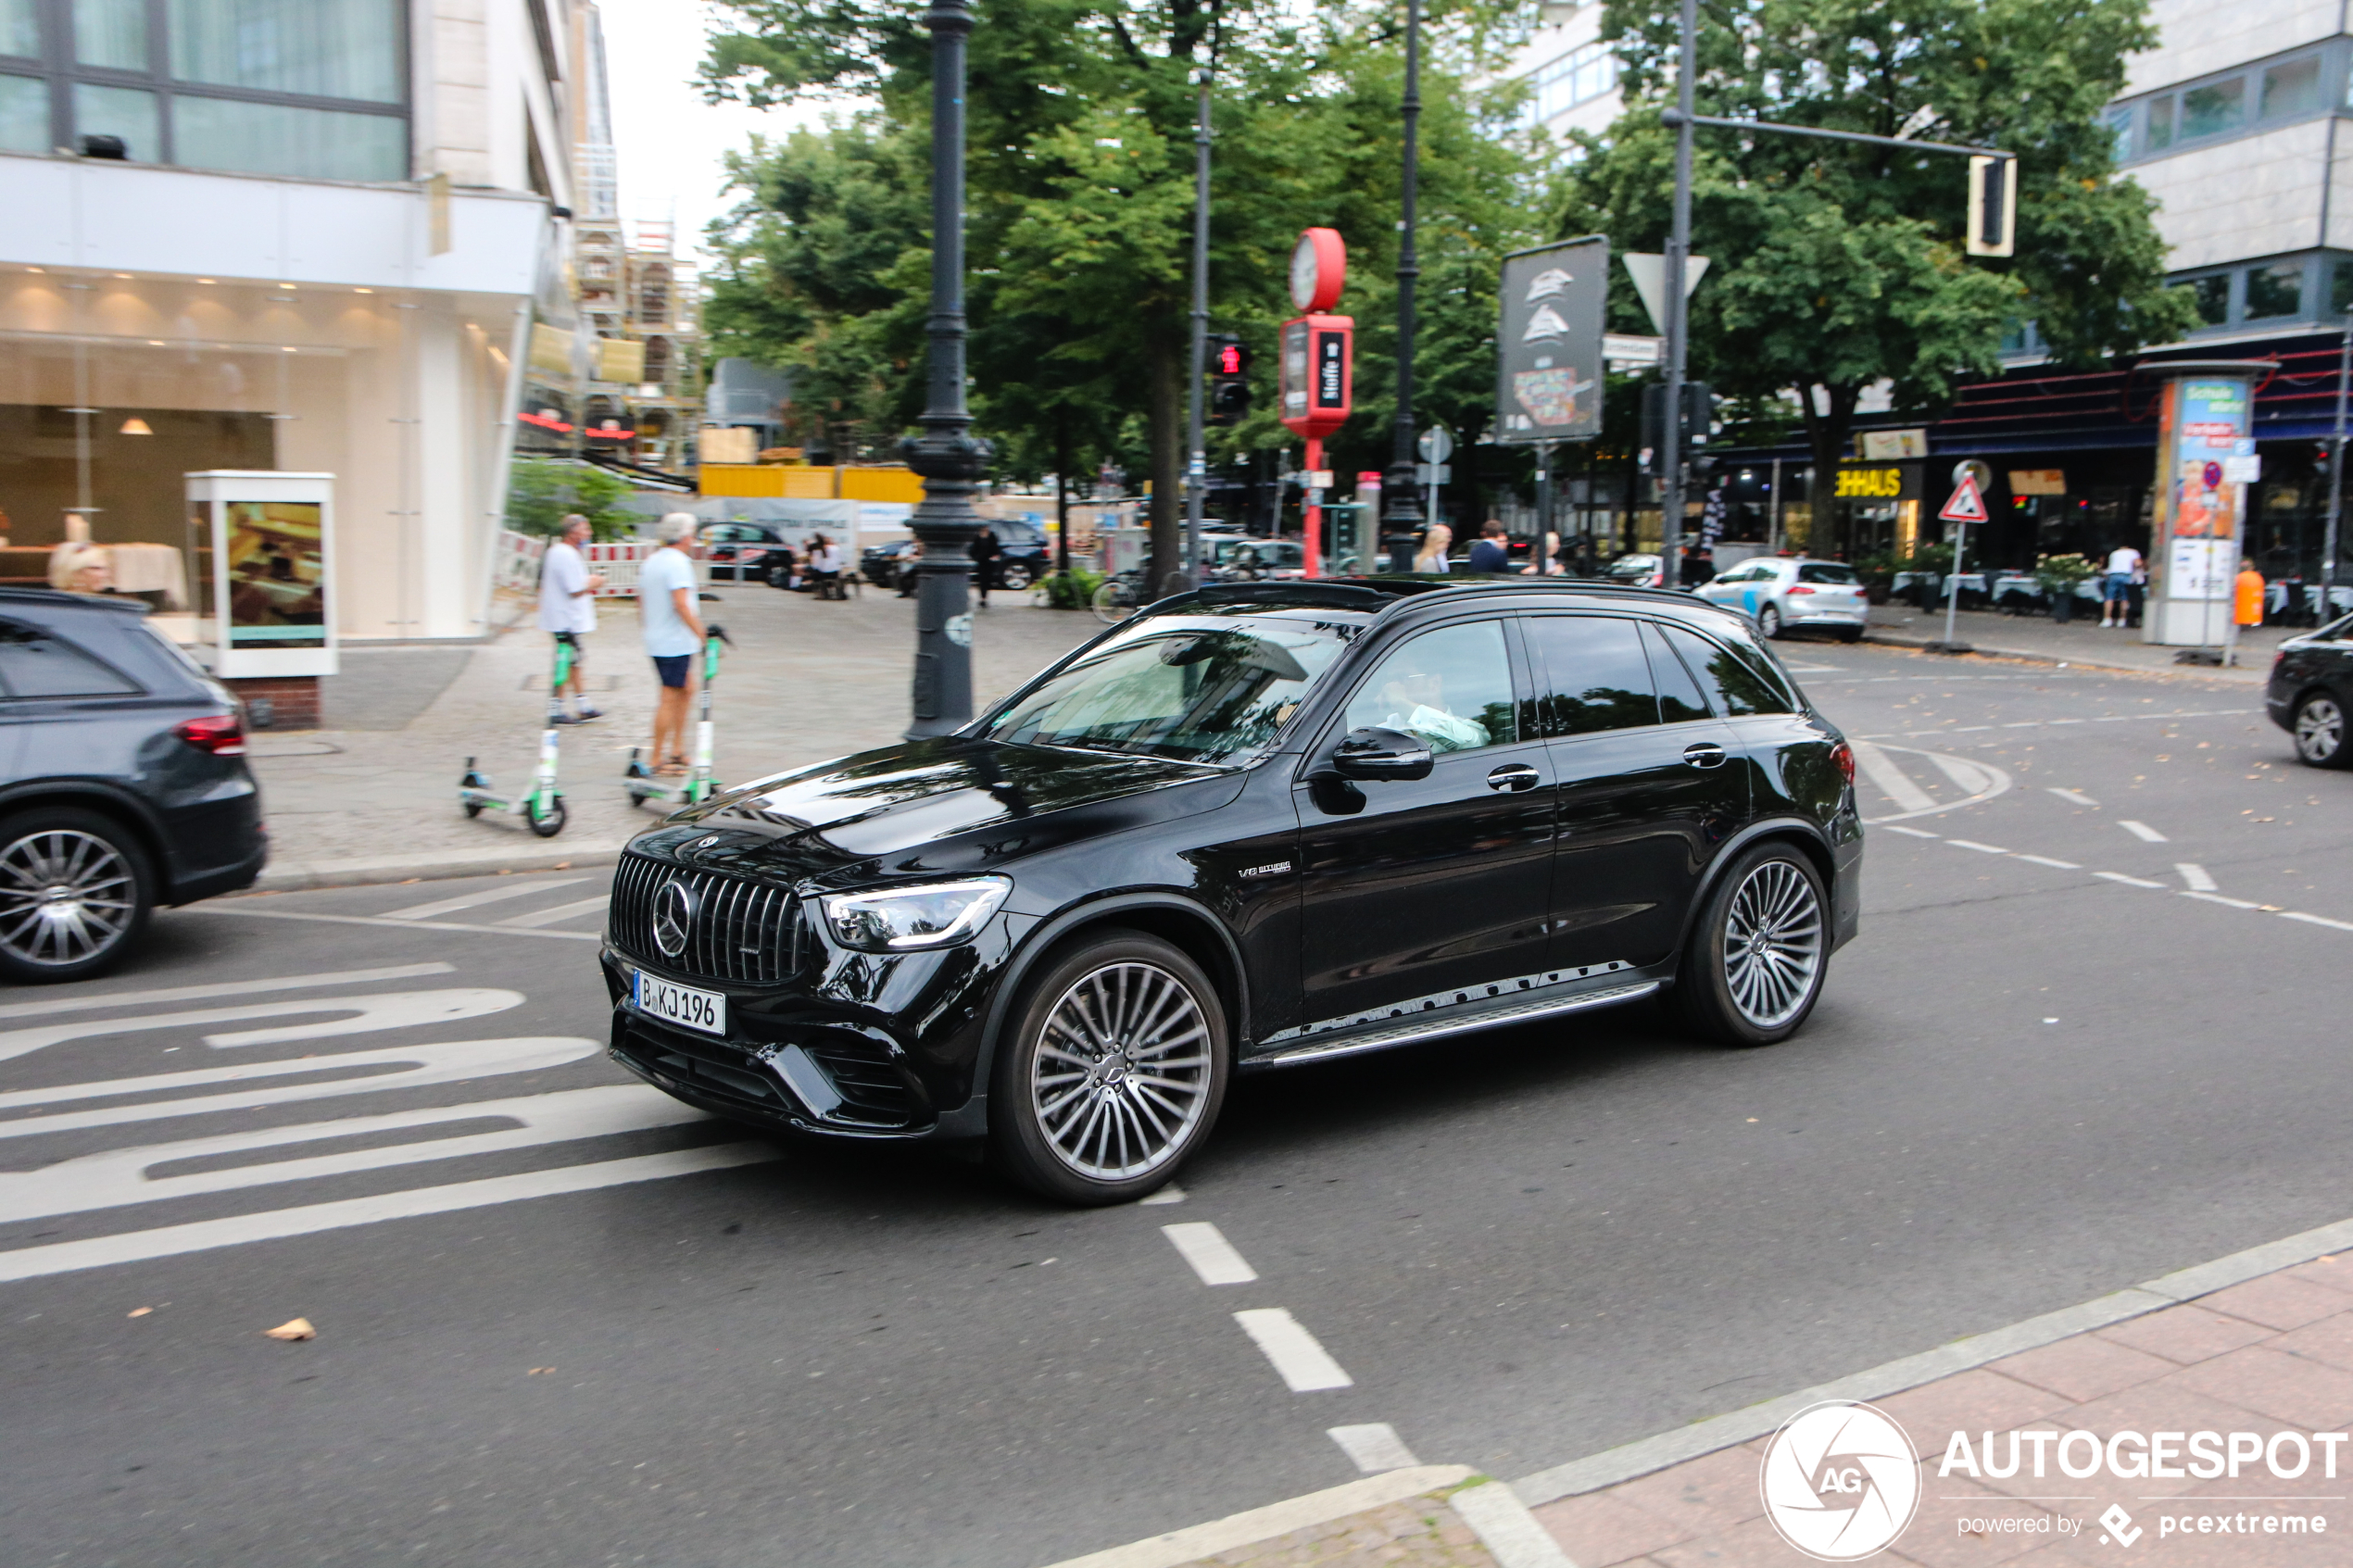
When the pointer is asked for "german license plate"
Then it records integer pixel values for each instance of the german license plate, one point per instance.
(705, 1010)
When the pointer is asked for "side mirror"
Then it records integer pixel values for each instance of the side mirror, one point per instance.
(1375, 754)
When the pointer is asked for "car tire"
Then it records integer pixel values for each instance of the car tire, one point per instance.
(89, 868)
(1012, 576)
(1850, 635)
(1768, 620)
(1758, 952)
(778, 575)
(1081, 1126)
(2320, 732)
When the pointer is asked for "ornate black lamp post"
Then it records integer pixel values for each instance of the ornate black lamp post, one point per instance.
(947, 456)
(1400, 511)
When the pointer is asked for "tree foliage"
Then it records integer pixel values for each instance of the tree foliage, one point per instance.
(542, 491)
(1836, 268)
(1080, 173)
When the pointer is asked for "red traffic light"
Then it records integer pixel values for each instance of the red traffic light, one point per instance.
(1229, 359)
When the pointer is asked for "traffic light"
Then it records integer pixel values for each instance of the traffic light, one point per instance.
(1228, 378)
(1993, 206)
(1699, 419)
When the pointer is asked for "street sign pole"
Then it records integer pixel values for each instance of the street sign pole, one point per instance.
(1197, 464)
(1679, 252)
(1967, 505)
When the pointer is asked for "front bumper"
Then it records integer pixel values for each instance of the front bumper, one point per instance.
(855, 1045)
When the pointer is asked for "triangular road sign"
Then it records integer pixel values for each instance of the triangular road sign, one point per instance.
(1967, 504)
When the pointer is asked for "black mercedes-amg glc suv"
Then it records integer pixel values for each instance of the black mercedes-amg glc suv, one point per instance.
(1252, 826)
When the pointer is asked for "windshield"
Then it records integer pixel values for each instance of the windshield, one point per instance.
(1212, 688)
(1822, 571)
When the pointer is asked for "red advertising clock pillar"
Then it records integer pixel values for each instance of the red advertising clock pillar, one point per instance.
(1318, 389)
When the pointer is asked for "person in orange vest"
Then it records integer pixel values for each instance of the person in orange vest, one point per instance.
(2248, 596)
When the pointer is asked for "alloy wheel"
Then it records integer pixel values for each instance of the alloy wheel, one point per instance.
(1121, 1074)
(2320, 729)
(65, 896)
(1773, 944)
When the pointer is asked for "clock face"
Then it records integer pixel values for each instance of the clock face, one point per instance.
(1303, 273)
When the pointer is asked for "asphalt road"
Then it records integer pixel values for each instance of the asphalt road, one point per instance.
(561, 1322)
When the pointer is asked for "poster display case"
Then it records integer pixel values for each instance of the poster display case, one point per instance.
(263, 549)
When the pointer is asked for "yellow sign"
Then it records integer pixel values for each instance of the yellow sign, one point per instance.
(1870, 483)
(2038, 482)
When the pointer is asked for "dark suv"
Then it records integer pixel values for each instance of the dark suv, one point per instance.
(124, 782)
(1254, 825)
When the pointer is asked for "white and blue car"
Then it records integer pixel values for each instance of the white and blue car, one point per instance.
(1783, 594)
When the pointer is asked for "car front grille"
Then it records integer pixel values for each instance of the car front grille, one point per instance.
(747, 931)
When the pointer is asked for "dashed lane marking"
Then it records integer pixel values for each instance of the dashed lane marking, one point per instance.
(2317, 920)
(1302, 1363)
(475, 900)
(2142, 831)
(1374, 1447)
(2128, 880)
(1911, 833)
(2074, 796)
(1981, 849)
(1212, 1256)
(2217, 898)
(2195, 877)
(2047, 861)
(1172, 1193)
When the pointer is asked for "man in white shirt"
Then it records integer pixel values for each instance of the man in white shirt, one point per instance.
(568, 606)
(2123, 567)
(666, 599)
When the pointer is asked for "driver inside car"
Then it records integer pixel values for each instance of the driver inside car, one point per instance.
(1416, 700)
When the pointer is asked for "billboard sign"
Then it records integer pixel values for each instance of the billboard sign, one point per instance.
(2202, 424)
(1548, 342)
(1317, 373)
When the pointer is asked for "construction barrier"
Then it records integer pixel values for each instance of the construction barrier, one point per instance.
(521, 555)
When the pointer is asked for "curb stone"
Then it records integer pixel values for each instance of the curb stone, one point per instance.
(1646, 1455)
(1461, 1520)
(2243, 674)
(295, 876)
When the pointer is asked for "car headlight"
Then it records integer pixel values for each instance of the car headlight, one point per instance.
(899, 919)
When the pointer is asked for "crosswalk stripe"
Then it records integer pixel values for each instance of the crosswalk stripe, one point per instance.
(560, 912)
(223, 989)
(475, 900)
(1889, 779)
(64, 1257)
(1304, 1364)
(237, 909)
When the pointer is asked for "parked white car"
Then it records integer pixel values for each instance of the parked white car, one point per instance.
(1782, 593)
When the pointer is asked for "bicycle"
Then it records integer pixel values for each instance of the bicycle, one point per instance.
(1121, 595)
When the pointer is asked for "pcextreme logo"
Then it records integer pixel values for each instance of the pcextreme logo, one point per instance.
(1841, 1481)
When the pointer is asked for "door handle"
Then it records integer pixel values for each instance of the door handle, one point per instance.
(1514, 776)
(1704, 754)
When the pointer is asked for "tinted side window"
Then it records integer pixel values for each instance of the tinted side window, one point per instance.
(1451, 687)
(1679, 699)
(1729, 681)
(34, 663)
(1591, 674)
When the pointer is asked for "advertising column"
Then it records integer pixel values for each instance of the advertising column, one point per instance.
(2202, 448)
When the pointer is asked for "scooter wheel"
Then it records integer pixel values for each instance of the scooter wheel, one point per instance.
(473, 808)
(550, 824)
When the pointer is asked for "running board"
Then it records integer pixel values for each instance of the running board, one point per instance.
(1431, 1028)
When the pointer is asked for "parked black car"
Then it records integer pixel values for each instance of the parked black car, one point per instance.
(1024, 552)
(124, 782)
(2311, 690)
(881, 564)
(1253, 826)
(738, 551)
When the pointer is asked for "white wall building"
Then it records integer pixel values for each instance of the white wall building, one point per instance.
(314, 245)
(1572, 75)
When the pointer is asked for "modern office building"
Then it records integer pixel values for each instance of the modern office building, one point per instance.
(304, 235)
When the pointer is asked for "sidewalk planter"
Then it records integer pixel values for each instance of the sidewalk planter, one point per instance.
(2063, 608)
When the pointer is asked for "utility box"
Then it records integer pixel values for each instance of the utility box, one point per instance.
(265, 568)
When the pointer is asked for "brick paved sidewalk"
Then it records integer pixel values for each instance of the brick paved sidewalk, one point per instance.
(2272, 1354)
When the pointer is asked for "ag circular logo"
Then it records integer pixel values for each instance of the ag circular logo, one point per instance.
(674, 917)
(1841, 1481)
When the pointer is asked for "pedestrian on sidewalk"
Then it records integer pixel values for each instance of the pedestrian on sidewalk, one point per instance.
(2247, 593)
(985, 553)
(2116, 594)
(1490, 553)
(567, 609)
(907, 562)
(666, 601)
(825, 567)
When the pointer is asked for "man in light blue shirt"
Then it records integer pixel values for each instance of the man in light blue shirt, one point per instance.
(674, 634)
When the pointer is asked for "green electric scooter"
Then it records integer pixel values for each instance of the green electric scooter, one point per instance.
(697, 786)
(541, 806)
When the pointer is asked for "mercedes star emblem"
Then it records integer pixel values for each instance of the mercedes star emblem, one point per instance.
(674, 917)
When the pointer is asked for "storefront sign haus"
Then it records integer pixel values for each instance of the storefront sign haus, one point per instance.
(1878, 481)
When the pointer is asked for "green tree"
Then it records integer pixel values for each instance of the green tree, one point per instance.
(1838, 267)
(542, 491)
